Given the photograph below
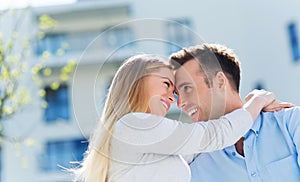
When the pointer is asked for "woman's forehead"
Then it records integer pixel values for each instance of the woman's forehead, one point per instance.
(165, 72)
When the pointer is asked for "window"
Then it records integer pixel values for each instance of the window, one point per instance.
(51, 43)
(116, 37)
(58, 104)
(294, 43)
(60, 154)
(78, 41)
(71, 42)
(178, 35)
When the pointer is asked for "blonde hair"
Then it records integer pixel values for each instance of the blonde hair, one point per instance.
(125, 95)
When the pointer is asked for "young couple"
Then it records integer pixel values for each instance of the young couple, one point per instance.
(135, 142)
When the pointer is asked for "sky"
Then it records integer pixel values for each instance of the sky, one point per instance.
(5, 4)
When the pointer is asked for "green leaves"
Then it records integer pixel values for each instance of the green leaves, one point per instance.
(46, 22)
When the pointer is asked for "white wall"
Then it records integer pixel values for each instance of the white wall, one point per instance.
(256, 30)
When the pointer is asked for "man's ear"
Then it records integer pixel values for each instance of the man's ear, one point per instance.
(220, 80)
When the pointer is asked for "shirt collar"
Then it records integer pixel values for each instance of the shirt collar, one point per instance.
(255, 127)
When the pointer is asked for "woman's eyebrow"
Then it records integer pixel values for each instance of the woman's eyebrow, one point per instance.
(169, 80)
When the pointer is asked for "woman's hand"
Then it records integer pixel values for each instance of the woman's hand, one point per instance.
(271, 104)
(263, 96)
(277, 105)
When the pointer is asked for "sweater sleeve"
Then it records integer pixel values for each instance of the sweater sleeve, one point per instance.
(148, 133)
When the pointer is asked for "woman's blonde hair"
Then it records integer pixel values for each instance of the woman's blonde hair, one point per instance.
(125, 95)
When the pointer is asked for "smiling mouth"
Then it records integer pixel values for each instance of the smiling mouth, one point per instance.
(165, 105)
(193, 111)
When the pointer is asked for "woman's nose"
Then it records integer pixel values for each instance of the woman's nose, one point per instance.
(171, 97)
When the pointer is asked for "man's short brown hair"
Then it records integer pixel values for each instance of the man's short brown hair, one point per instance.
(212, 58)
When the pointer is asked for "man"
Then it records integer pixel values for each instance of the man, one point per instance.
(208, 79)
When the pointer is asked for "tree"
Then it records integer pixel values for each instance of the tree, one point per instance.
(16, 61)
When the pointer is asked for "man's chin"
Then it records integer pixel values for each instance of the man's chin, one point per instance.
(198, 119)
(194, 118)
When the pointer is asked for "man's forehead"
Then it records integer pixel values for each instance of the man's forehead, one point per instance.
(188, 69)
(191, 65)
(183, 75)
(188, 73)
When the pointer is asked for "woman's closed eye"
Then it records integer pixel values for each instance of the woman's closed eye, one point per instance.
(167, 83)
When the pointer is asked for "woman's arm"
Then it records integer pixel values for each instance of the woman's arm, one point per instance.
(148, 133)
(266, 100)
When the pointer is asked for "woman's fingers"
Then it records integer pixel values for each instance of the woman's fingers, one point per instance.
(277, 105)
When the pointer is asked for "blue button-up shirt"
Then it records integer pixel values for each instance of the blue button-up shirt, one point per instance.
(271, 150)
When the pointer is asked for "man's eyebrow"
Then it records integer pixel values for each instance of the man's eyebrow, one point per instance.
(183, 84)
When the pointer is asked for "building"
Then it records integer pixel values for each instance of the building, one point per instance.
(101, 34)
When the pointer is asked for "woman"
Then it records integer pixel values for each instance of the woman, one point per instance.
(134, 142)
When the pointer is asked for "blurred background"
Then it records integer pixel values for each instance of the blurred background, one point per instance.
(58, 58)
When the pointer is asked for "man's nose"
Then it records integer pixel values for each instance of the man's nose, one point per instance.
(180, 102)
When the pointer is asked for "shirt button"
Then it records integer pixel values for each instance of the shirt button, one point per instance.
(233, 154)
(253, 174)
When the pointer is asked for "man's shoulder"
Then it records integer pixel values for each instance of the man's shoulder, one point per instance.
(289, 110)
(286, 119)
(286, 112)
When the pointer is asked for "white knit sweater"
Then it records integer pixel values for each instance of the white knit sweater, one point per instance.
(147, 147)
